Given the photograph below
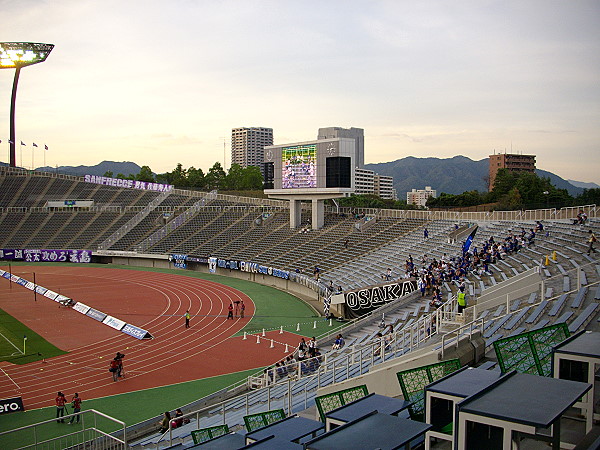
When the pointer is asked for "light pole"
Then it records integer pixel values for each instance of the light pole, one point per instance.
(546, 195)
(15, 55)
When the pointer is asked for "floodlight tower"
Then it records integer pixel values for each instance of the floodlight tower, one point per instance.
(15, 55)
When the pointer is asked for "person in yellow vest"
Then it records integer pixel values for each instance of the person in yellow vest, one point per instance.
(591, 240)
(462, 302)
(187, 318)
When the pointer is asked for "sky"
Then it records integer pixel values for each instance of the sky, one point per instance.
(164, 82)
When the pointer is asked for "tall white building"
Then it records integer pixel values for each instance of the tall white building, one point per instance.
(384, 187)
(368, 182)
(419, 197)
(364, 181)
(247, 145)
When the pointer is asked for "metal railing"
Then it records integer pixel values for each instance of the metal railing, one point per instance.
(489, 216)
(296, 388)
(293, 392)
(456, 334)
(174, 224)
(96, 431)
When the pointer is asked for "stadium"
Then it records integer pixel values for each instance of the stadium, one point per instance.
(92, 267)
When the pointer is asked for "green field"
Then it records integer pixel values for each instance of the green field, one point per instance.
(12, 342)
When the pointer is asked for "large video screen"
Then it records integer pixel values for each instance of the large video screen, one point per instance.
(299, 166)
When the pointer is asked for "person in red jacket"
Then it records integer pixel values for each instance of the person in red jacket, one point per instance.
(60, 406)
(114, 368)
(76, 403)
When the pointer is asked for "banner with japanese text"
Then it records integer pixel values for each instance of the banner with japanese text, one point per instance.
(46, 255)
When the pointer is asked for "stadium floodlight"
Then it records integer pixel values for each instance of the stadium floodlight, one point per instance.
(15, 55)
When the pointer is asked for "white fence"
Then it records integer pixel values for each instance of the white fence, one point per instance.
(92, 430)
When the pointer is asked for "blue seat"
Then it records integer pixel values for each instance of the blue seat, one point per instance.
(579, 298)
(565, 317)
(558, 304)
(583, 317)
(536, 312)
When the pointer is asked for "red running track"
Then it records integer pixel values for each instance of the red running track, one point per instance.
(151, 300)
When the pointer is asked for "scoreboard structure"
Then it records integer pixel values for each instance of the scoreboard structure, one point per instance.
(310, 171)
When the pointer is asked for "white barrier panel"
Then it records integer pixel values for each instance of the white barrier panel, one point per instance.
(50, 294)
(113, 322)
(81, 307)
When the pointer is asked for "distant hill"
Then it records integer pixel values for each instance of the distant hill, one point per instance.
(126, 168)
(560, 183)
(451, 175)
(583, 185)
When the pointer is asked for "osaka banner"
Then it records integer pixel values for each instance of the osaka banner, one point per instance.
(43, 255)
(362, 301)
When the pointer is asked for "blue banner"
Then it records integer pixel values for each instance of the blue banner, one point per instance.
(179, 261)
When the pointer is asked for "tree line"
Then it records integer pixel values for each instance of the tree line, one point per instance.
(517, 190)
(237, 177)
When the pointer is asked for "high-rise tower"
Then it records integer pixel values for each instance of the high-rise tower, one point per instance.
(247, 145)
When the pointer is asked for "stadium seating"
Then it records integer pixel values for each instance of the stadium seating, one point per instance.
(227, 227)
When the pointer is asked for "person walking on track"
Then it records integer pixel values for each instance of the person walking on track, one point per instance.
(187, 318)
(114, 369)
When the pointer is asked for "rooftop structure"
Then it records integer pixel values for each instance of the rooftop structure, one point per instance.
(510, 161)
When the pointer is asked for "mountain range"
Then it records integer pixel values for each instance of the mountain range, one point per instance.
(126, 168)
(451, 175)
(584, 185)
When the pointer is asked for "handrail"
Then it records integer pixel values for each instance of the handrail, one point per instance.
(82, 415)
(135, 220)
(181, 219)
(473, 326)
